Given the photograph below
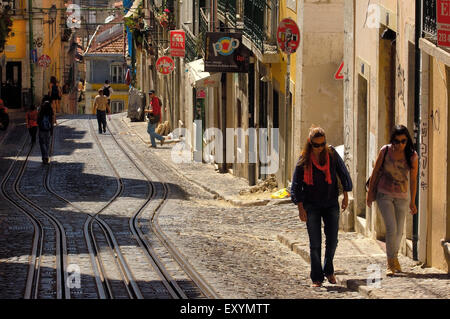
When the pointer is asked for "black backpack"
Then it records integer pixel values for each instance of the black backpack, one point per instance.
(45, 124)
(106, 91)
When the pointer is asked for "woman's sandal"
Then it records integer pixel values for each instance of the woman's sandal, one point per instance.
(316, 284)
(331, 279)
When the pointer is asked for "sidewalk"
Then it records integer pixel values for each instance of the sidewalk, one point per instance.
(204, 175)
(357, 258)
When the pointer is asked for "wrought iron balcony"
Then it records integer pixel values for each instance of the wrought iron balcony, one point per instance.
(227, 9)
(429, 18)
(254, 22)
(190, 45)
(203, 28)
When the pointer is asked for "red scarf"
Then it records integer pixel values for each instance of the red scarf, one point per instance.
(308, 171)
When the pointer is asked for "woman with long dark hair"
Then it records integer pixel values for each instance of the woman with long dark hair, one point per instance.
(55, 95)
(315, 192)
(389, 187)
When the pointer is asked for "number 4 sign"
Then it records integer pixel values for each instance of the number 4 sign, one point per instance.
(339, 75)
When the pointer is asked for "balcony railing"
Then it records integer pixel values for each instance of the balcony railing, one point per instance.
(203, 28)
(254, 22)
(227, 8)
(429, 18)
(191, 45)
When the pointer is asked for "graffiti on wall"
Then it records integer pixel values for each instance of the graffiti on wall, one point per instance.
(348, 119)
(401, 85)
(436, 117)
(423, 165)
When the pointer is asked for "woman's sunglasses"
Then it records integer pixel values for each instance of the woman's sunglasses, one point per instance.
(317, 145)
(403, 141)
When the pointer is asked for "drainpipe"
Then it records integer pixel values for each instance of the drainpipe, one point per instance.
(31, 47)
(417, 119)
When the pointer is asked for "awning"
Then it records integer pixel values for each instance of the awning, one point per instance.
(133, 9)
(199, 78)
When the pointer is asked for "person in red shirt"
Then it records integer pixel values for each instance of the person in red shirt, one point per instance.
(154, 116)
(32, 124)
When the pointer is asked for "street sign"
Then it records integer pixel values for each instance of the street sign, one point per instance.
(34, 55)
(177, 43)
(288, 36)
(165, 65)
(339, 75)
(443, 22)
(44, 61)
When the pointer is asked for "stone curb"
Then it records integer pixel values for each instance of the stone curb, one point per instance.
(358, 285)
(235, 202)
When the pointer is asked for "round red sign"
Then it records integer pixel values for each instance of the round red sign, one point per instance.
(165, 65)
(44, 61)
(288, 36)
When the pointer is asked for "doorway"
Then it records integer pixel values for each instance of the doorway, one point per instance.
(262, 124)
(361, 146)
(12, 88)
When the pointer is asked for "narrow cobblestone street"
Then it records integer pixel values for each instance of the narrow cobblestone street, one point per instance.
(238, 249)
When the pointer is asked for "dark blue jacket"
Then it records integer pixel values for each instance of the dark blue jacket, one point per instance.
(321, 194)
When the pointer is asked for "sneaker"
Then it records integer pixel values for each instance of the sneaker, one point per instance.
(162, 141)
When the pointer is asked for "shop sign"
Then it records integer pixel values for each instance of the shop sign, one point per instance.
(225, 53)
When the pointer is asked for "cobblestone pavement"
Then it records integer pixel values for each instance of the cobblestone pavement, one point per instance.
(16, 230)
(260, 231)
(241, 249)
(234, 248)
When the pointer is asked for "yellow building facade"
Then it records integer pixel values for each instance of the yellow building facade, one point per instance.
(13, 77)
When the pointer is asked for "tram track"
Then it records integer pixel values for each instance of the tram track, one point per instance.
(181, 260)
(25, 205)
(103, 246)
(105, 288)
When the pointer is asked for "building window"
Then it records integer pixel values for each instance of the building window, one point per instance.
(117, 74)
(91, 17)
(271, 21)
(116, 106)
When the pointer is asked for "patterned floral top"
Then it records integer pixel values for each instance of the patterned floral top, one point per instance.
(395, 175)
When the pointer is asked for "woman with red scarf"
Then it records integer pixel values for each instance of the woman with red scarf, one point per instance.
(315, 192)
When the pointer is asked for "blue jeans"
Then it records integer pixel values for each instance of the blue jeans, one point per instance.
(330, 216)
(44, 143)
(151, 130)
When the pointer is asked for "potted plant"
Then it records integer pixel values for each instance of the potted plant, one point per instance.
(5, 25)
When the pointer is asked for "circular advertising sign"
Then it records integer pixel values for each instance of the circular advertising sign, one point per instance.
(288, 36)
(165, 65)
(44, 61)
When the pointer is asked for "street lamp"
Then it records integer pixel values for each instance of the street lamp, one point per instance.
(128, 60)
(52, 14)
